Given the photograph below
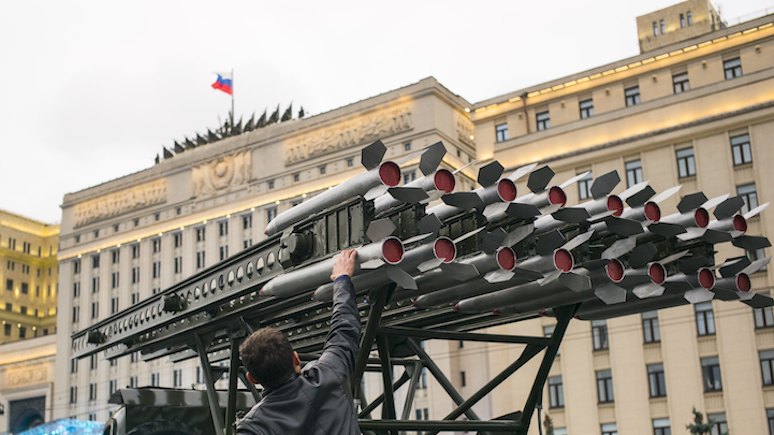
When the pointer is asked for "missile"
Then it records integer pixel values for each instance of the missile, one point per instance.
(553, 258)
(540, 200)
(441, 249)
(476, 266)
(493, 189)
(379, 173)
(388, 251)
(598, 310)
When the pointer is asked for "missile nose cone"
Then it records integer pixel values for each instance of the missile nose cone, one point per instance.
(652, 211)
(615, 204)
(506, 190)
(614, 270)
(563, 260)
(740, 223)
(743, 283)
(456, 307)
(392, 250)
(444, 249)
(444, 180)
(657, 273)
(557, 196)
(506, 258)
(706, 278)
(389, 173)
(701, 217)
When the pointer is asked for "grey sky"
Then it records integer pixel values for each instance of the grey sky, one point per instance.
(90, 90)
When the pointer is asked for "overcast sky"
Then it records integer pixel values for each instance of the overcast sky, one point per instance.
(91, 90)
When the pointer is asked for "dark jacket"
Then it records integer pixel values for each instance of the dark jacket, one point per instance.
(319, 401)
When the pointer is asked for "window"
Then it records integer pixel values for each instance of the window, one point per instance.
(686, 164)
(732, 68)
(634, 172)
(135, 297)
(76, 313)
(757, 254)
(94, 310)
(661, 427)
(656, 380)
(156, 243)
(632, 96)
(9, 285)
(246, 243)
(650, 328)
(764, 317)
(156, 269)
(422, 384)
(605, 386)
(95, 261)
(296, 177)
(95, 284)
(22, 310)
(200, 233)
(609, 429)
(9, 307)
(407, 146)
(154, 379)
(770, 418)
(178, 264)
(599, 334)
(322, 170)
(350, 162)
(750, 196)
(501, 132)
(586, 108)
(73, 366)
(654, 25)
(222, 228)
(705, 319)
(555, 392)
(136, 251)
(133, 357)
(247, 221)
(689, 18)
(73, 394)
(114, 305)
(543, 120)
(112, 387)
(76, 266)
(177, 239)
(719, 423)
(7, 329)
(25, 288)
(135, 274)
(661, 27)
(223, 252)
(133, 382)
(462, 378)
(92, 391)
(682, 21)
(177, 377)
(199, 259)
(422, 414)
(767, 366)
(680, 82)
(114, 280)
(710, 372)
(271, 213)
(740, 149)
(409, 177)
(22, 331)
(270, 184)
(560, 431)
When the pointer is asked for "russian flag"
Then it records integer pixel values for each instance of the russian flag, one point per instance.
(224, 83)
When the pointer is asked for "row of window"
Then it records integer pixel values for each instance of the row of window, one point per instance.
(22, 330)
(27, 247)
(732, 68)
(685, 20)
(25, 288)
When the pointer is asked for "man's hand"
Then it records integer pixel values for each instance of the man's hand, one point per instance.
(345, 264)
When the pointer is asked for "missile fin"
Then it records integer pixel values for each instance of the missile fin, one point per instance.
(746, 296)
(572, 215)
(459, 271)
(539, 179)
(610, 293)
(523, 211)
(619, 248)
(490, 173)
(550, 209)
(429, 224)
(624, 227)
(604, 184)
(548, 242)
(640, 196)
(574, 179)
(715, 236)
(674, 257)
(429, 264)
(372, 264)
(519, 234)
(648, 290)
(666, 230)
(725, 295)
(494, 209)
(417, 238)
(463, 200)
(714, 202)
(431, 158)
(729, 207)
(493, 240)
(692, 201)
(526, 274)
(756, 211)
(699, 295)
(578, 240)
(373, 154)
(680, 285)
(498, 275)
(642, 255)
(760, 301)
(756, 265)
(692, 264)
(468, 234)
(408, 195)
(380, 229)
(375, 192)
(666, 194)
(549, 278)
(522, 171)
(433, 195)
(751, 243)
(575, 282)
(401, 277)
(691, 233)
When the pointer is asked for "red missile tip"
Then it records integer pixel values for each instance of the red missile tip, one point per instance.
(389, 173)
(444, 249)
(615, 204)
(556, 196)
(456, 307)
(506, 189)
(657, 273)
(614, 270)
(563, 260)
(740, 223)
(444, 180)
(701, 217)
(743, 283)
(392, 250)
(506, 258)
(652, 211)
(706, 278)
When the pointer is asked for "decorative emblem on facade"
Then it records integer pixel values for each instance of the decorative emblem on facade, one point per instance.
(356, 132)
(229, 170)
(143, 195)
(465, 129)
(26, 375)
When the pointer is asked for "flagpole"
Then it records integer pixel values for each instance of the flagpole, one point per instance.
(232, 97)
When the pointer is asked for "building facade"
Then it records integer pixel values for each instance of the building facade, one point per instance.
(695, 110)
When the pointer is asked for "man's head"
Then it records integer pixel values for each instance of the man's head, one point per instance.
(269, 358)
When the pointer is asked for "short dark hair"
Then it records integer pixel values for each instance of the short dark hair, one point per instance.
(268, 356)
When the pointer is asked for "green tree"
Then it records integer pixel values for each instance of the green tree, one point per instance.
(548, 425)
(698, 426)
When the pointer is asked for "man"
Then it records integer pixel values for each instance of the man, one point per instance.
(316, 400)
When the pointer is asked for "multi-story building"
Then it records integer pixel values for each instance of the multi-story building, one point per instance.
(28, 271)
(695, 107)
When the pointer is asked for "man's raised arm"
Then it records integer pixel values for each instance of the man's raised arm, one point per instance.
(343, 340)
